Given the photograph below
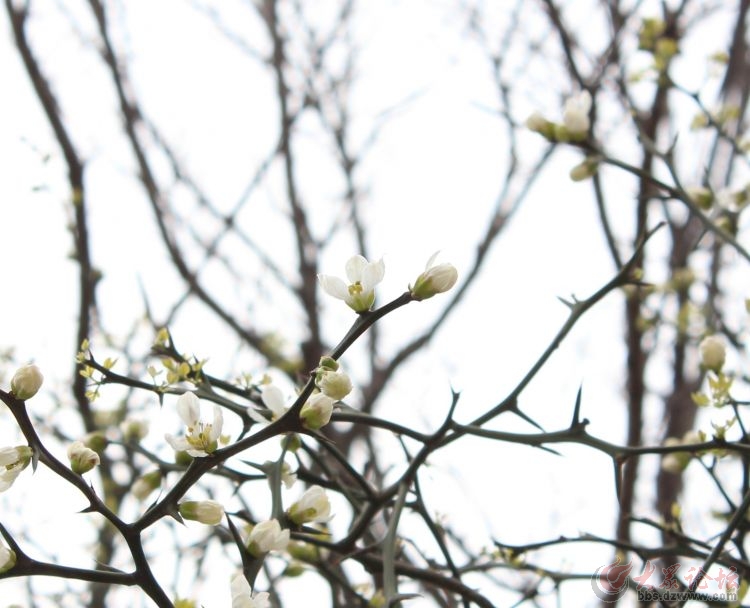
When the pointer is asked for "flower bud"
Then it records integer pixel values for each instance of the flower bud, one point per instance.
(328, 363)
(145, 484)
(291, 442)
(701, 196)
(313, 506)
(584, 170)
(293, 569)
(267, 536)
(434, 280)
(205, 511)
(133, 430)
(539, 124)
(335, 385)
(303, 551)
(7, 558)
(316, 413)
(82, 459)
(576, 115)
(713, 353)
(26, 382)
(96, 440)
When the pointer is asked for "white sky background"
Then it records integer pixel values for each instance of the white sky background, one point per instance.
(432, 179)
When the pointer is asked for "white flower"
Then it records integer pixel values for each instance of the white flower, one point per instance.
(242, 595)
(316, 413)
(12, 462)
(576, 113)
(287, 477)
(313, 506)
(7, 558)
(201, 438)
(26, 382)
(206, 512)
(434, 279)
(359, 295)
(713, 353)
(82, 459)
(335, 385)
(273, 398)
(267, 536)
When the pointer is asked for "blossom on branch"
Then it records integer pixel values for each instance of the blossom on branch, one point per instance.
(713, 353)
(267, 536)
(313, 506)
(359, 295)
(206, 512)
(242, 595)
(576, 115)
(201, 438)
(26, 382)
(434, 280)
(316, 413)
(273, 398)
(335, 385)
(7, 558)
(82, 459)
(12, 462)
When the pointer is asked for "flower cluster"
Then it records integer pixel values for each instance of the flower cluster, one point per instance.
(201, 438)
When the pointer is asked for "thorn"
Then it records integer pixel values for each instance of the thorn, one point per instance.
(577, 409)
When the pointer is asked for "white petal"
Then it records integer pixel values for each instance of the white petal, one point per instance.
(179, 444)
(431, 261)
(257, 416)
(333, 286)
(241, 592)
(8, 456)
(217, 424)
(354, 268)
(372, 275)
(274, 400)
(189, 408)
(8, 476)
